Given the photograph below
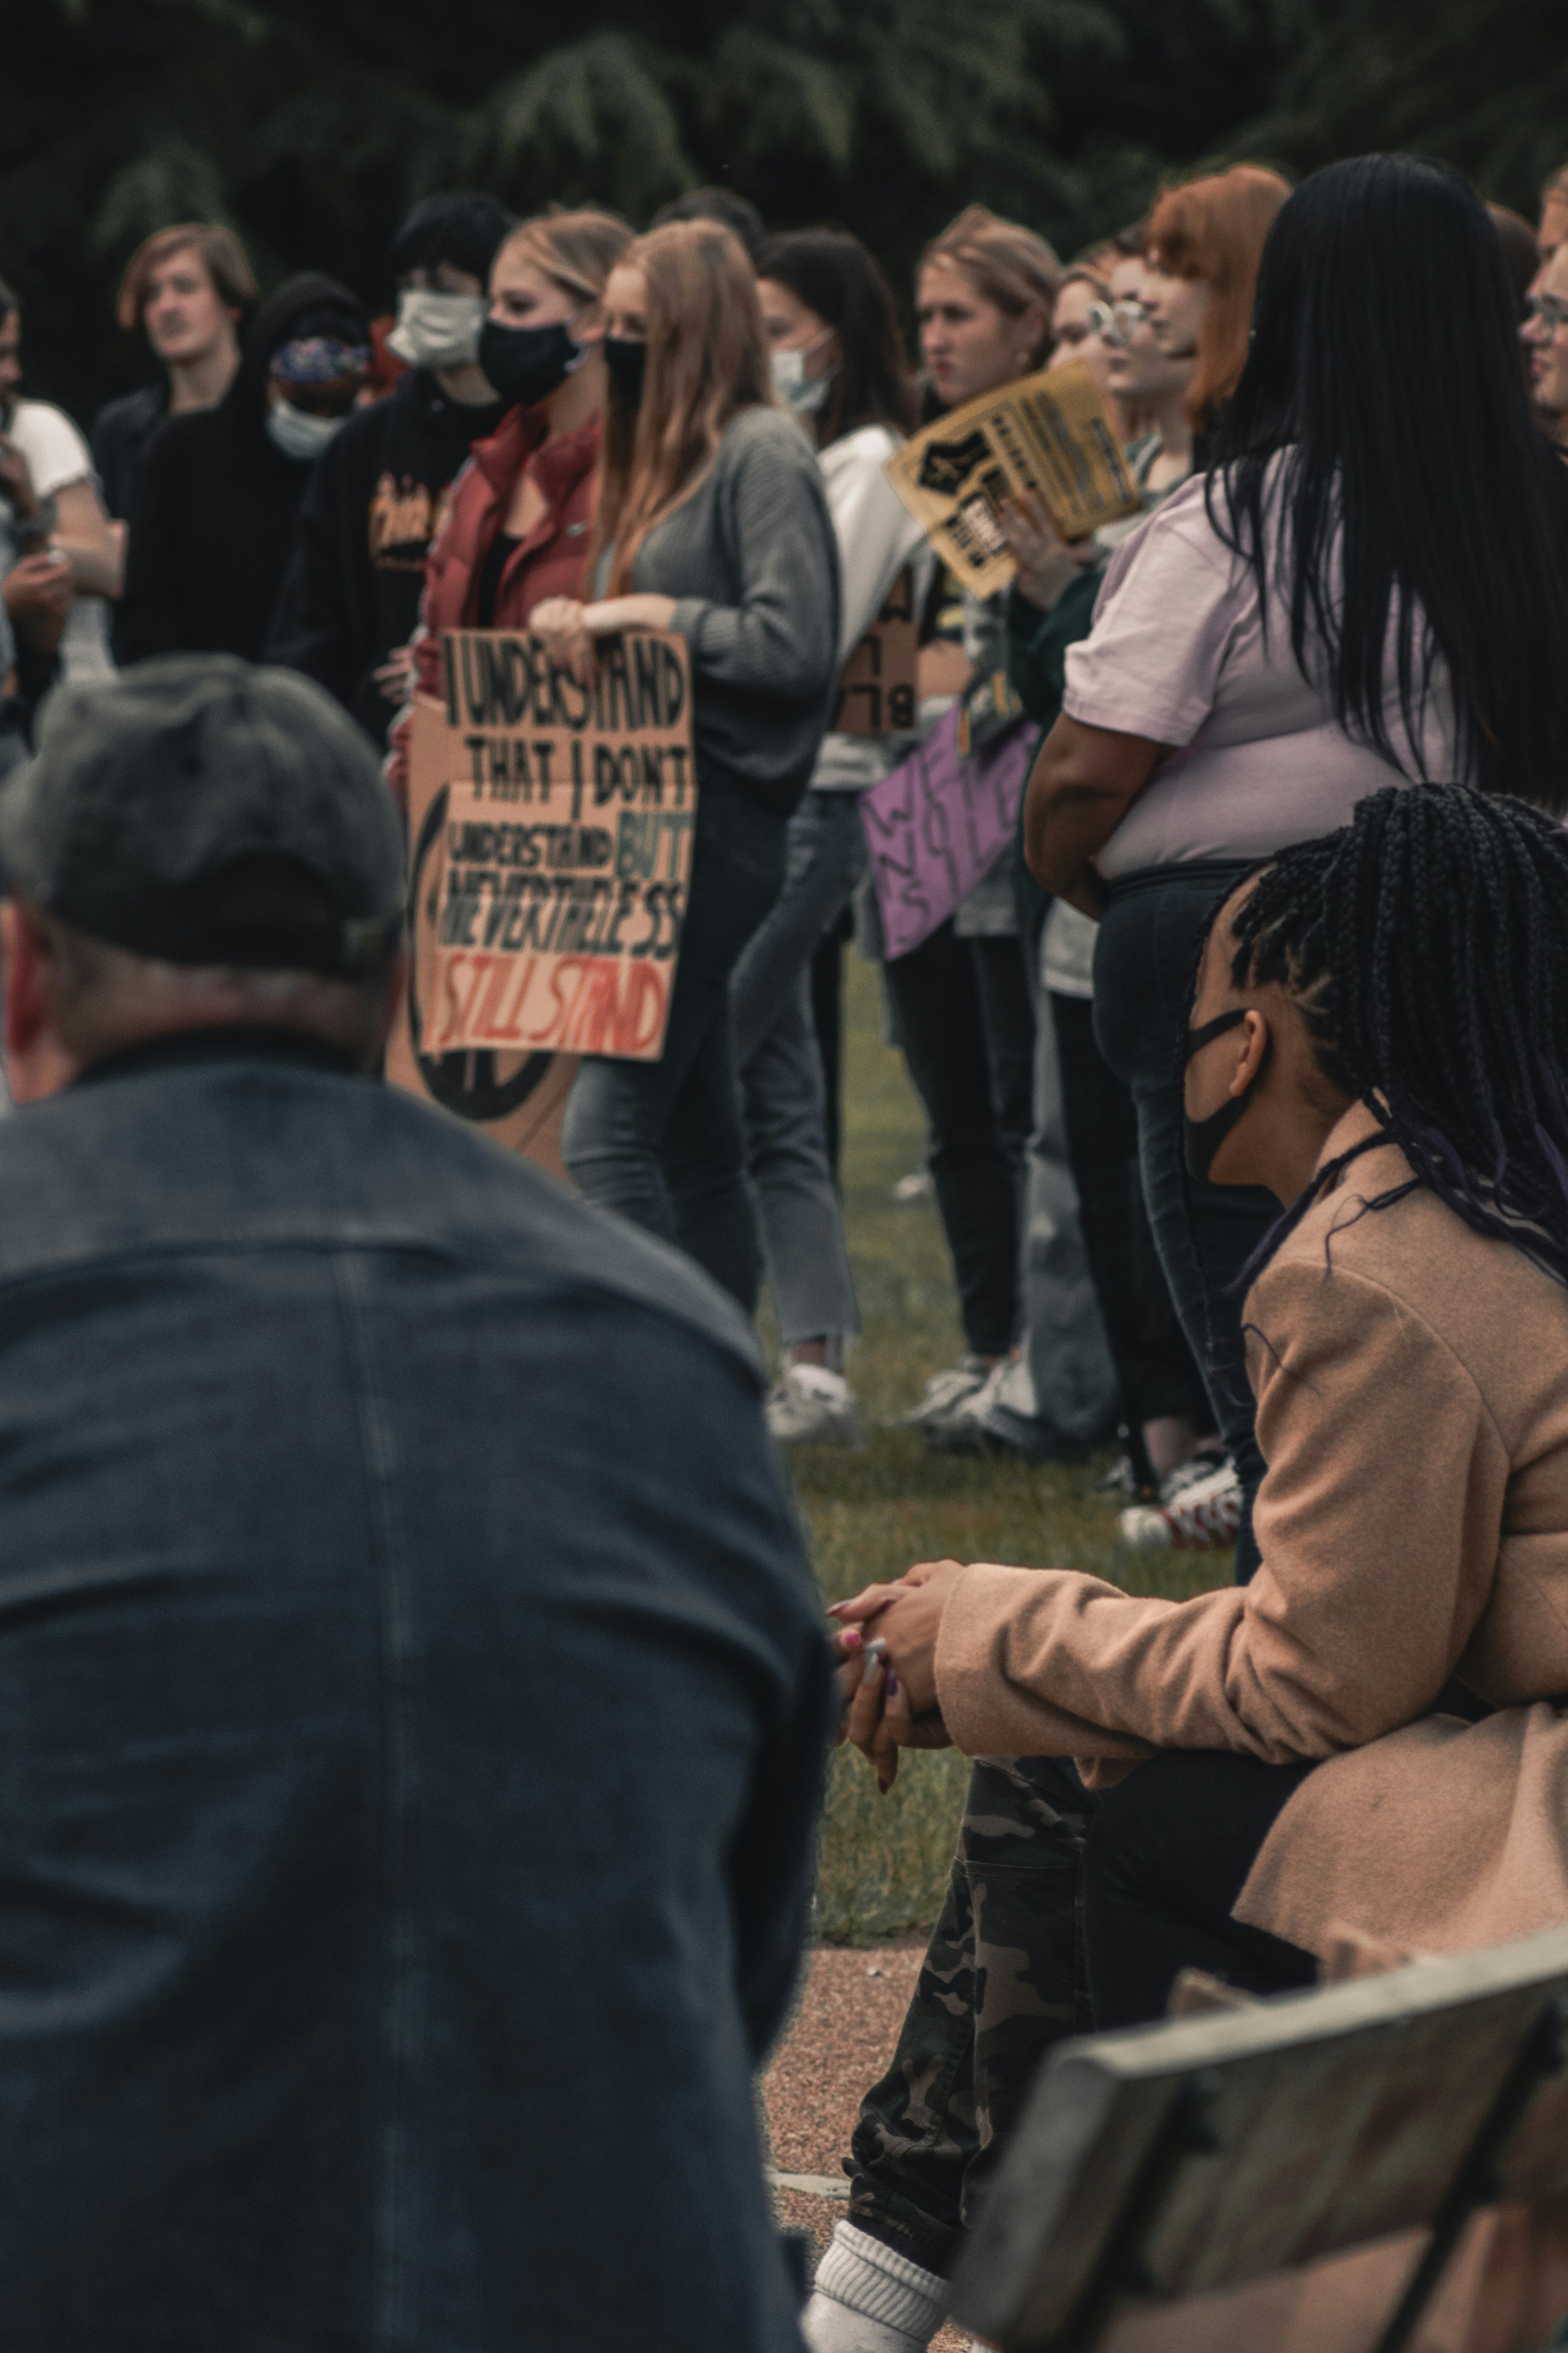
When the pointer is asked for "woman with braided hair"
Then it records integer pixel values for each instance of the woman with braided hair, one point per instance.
(1369, 586)
(1368, 1734)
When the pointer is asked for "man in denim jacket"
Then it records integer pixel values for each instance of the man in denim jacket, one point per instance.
(411, 1701)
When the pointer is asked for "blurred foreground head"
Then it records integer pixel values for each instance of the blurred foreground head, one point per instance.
(198, 844)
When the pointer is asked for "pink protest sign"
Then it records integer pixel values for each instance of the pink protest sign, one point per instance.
(937, 823)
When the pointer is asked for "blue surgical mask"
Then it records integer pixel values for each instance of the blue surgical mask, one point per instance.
(297, 433)
(802, 395)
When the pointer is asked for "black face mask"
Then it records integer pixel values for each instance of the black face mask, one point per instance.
(526, 364)
(626, 358)
(1202, 1137)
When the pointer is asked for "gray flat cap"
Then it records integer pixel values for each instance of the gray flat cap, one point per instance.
(147, 789)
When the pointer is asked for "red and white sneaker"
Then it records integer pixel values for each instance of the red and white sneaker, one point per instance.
(1206, 1516)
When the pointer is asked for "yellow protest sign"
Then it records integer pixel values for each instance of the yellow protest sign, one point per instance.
(565, 847)
(1049, 434)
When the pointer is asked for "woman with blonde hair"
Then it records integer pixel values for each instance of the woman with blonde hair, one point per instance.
(713, 522)
(963, 1000)
(517, 529)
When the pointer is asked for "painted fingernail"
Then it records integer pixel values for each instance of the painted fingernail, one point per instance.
(877, 1648)
(893, 1683)
(852, 1638)
(836, 1608)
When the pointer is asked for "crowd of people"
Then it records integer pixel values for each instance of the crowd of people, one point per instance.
(1246, 1074)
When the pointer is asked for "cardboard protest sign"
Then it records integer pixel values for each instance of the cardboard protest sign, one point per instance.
(876, 684)
(566, 844)
(1049, 434)
(938, 822)
(516, 1098)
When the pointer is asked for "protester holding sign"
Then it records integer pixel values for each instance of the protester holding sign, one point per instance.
(1285, 635)
(517, 530)
(962, 999)
(838, 363)
(713, 524)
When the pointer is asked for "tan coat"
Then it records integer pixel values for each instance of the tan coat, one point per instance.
(1411, 1382)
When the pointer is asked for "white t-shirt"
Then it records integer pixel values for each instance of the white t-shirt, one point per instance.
(57, 457)
(1178, 653)
(877, 537)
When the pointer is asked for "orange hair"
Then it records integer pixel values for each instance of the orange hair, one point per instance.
(707, 359)
(1215, 229)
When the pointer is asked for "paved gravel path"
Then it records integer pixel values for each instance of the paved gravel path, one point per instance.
(850, 2012)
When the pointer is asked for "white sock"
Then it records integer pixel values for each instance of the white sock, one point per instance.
(869, 2299)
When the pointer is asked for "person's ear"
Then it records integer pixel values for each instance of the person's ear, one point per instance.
(1252, 1050)
(35, 1063)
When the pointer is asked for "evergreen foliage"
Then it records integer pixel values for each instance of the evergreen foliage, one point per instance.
(311, 125)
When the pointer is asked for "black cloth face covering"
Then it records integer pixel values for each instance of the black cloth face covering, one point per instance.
(1202, 1138)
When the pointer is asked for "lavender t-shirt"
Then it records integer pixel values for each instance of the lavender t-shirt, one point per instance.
(1178, 653)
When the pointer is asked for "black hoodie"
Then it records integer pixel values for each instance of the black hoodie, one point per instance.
(357, 572)
(213, 510)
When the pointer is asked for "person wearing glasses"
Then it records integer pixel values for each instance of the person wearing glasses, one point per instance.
(1545, 337)
(1231, 699)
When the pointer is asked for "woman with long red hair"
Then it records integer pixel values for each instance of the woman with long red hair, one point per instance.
(711, 522)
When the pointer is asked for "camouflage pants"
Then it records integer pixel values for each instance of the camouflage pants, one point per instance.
(1002, 1982)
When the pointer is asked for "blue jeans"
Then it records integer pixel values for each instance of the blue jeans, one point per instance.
(782, 1088)
(661, 1142)
(1205, 1233)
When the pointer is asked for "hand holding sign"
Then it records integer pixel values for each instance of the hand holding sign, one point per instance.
(557, 624)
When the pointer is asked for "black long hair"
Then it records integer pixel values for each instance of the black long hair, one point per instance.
(834, 275)
(1426, 944)
(1383, 375)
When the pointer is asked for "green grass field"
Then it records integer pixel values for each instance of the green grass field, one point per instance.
(872, 1512)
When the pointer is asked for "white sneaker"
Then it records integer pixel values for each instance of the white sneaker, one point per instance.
(1186, 1474)
(945, 1392)
(868, 2299)
(918, 1186)
(1204, 1518)
(809, 1405)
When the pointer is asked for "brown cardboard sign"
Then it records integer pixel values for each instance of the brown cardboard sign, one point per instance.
(517, 1099)
(565, 849)
(877, 692)
(1049, 434)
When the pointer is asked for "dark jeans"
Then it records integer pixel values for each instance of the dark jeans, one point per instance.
(1205, 1233)
(967, 1029)
(1168, 1852)
(662, 1142)
(1154, 1366)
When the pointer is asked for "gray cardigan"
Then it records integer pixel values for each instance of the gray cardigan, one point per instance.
(753, 564)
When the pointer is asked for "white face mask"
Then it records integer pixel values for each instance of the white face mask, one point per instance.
(438, 330)
(297, 433)
(803, 394)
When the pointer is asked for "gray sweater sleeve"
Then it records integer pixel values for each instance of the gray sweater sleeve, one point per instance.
(781, 635)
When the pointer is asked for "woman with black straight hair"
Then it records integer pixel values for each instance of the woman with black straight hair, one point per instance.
(1369, 586)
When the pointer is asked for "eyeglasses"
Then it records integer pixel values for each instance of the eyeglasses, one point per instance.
(1117, 322)
(1548, 311)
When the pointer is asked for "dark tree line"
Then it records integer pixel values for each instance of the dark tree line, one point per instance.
(310, 124)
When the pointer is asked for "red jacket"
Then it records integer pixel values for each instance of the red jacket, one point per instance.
(547, 563)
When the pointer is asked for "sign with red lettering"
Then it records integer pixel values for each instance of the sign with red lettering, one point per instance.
(564, 852)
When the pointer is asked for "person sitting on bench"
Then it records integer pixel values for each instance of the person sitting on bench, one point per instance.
(1367, 1735)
